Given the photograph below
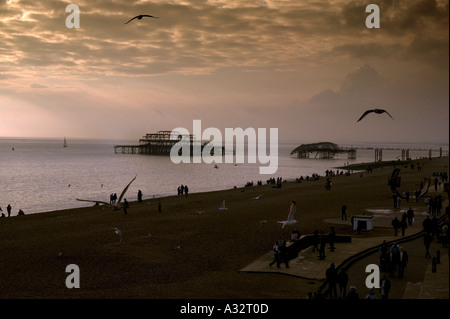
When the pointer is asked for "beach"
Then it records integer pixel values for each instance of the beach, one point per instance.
(191, 249)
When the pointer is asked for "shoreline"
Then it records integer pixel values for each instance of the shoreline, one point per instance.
(356, 168)
(190, 249)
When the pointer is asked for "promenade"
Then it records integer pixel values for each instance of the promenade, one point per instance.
(418, 282)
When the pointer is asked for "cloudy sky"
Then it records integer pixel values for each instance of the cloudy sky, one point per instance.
(309, 68)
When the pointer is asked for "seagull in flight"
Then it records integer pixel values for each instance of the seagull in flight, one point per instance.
(139, 17)
(223, 206)
(377, 111)
(257, 197)
(118, 232)
(115, 206)
(290, 220)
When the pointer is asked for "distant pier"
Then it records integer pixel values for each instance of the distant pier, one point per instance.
(159, 143)
(327, 150)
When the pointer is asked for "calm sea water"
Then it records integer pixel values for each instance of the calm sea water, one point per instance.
(36, 175)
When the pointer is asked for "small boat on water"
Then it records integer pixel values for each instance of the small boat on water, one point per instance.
(65, 143)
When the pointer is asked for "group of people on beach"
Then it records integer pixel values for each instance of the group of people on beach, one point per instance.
(113, 199)
(8, 210)
(183, 189)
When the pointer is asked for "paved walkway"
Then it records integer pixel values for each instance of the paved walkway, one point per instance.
(419, 282)
(307, 264)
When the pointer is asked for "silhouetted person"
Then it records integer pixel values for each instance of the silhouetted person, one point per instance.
(331, 238)
(283, 255)
(139, 196)
(316, 241)
(396, 225)
(342, 282)
(385, 287)
(125, 206)
(322, 246)
(410, 216)
(352, 294)
(276, 255)
(332, 277)
(344, 212)
(8, 209)
(403, 226)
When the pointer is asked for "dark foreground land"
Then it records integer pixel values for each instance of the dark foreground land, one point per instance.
(180, 253)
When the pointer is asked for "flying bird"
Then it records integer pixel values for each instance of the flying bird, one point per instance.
(115, 206)
(139, 17)
(257, 197)
(223, 206)
(377, 111)
(291, 215)
(118, 232)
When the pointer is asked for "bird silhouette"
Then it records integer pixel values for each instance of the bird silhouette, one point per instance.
(377, 111)
(139, 17)
(115, 206)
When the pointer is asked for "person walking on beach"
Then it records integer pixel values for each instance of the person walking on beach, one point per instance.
(384, 256)
(186, 190)
(403, 226)
(332, 277)
(331, 239)
(342, 282)
(427, 238)
(139, 196)
(8, 209)
(276, 255)
(385, 287)
(125, 206)
(410, 216)
(396, 225)
(316, 240)
(283, 256)
(322, 246)
(344, 212)
(402, 262)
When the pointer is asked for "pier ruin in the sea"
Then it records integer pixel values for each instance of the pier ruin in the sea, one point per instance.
(327, 150)
(159, 143)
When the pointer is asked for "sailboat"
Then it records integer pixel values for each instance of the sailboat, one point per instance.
(65, 143)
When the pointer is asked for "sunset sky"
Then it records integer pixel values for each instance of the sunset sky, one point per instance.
(309, 68)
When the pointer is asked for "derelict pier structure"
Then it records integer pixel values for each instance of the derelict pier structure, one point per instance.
(327, 150)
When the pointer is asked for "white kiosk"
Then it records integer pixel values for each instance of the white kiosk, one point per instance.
(362, 223)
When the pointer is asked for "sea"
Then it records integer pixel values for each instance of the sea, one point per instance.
(40, 175)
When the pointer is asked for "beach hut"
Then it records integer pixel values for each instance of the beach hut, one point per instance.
(362, 223)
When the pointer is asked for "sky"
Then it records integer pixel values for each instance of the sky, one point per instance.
(309, 68)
